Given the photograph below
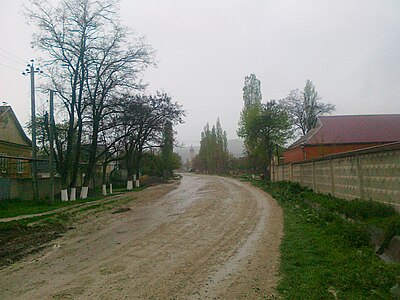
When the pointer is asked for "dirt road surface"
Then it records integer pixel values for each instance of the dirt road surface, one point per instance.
(206, 238)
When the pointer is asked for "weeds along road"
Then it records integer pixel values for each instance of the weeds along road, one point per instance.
(207, 237)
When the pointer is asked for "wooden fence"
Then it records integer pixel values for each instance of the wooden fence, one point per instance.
(371, 173)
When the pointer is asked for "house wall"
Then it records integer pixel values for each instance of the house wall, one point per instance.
(11, 188)
(367, 173)
(9, 131)
(11, 164)
(13, 143)
(293, 155)
(302, 153)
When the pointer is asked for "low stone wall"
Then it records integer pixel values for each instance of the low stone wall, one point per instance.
(372, 173)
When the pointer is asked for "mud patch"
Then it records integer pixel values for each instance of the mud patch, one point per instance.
(121, 210)
(18, 239)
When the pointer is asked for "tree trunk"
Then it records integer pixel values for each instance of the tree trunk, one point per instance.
(77, 156)
(104, 189)
(84, 192)
(64, 195)
(73, 194)
(130, 171)
(90, 169)
(104, 173)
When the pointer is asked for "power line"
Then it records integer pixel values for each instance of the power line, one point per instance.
(17, 57)
(10, 67)
(11, 59)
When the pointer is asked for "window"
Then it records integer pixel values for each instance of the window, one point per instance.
(20, 165)
(3, 163)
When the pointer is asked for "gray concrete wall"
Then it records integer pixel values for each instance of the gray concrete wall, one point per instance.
(22, 188)
(372, 173)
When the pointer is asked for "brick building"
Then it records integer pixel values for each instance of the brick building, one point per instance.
(336, 134)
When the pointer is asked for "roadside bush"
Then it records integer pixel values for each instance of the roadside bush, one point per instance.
(144, 180)
(392, 228)
(356, 209)
(367, 209)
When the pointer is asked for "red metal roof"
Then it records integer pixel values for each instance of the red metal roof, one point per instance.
(353, 129)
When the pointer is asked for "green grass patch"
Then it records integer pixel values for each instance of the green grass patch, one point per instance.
(17, 207)
(326, 252)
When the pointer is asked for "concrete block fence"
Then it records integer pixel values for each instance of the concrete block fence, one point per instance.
(370, 173)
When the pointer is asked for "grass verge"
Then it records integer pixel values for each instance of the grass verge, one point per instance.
(326, 252)
(18, 207)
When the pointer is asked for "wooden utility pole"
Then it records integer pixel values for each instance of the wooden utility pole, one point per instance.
(51, 135)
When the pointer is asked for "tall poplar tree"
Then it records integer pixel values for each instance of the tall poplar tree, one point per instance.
(262, 126)
(213, 156)
(252, 98)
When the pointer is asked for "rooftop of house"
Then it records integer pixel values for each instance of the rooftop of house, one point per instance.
(4, 109)
(353, 129)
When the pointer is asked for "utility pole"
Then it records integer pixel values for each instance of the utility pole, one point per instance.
(32, 72)
(51, 133)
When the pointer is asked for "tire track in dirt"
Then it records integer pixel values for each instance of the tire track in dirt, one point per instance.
(211, 237)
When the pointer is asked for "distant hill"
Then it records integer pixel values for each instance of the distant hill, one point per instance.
(235, 147)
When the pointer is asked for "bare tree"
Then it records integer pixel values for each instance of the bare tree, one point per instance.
(145, 120)
(88, 57)
(304, 107)
(111, 69)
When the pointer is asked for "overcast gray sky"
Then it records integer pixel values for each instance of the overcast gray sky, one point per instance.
(205, 48)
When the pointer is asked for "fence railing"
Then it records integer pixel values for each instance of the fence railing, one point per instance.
(368, 173)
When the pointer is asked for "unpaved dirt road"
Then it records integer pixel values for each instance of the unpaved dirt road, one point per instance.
(206, 238)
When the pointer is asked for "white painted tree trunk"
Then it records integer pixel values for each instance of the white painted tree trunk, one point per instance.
(84, 192)
(111, 188)
(64, 195)
(73, 194)
(137, 183)
(129, 185)
(104, 189)
(134, 177)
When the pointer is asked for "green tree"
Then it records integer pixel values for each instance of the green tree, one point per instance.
(305, 106)
(153, 164)
(262, 126)
(167, 155)
(266, 130)
(252, 107)
(213, 155)
(252, 90)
